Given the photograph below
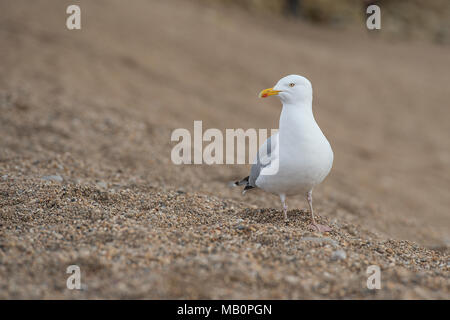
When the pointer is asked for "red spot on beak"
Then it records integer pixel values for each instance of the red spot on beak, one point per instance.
(264, 95)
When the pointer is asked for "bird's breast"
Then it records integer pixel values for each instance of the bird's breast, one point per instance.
(304, 154)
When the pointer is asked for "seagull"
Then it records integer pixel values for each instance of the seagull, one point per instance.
(298, 157)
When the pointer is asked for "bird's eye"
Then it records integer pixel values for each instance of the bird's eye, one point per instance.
(291, 84)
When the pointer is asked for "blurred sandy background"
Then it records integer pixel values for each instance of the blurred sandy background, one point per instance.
(96, 107)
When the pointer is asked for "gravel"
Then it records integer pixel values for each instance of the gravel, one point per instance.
(145, 242)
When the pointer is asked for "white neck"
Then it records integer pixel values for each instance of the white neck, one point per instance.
(298, 116)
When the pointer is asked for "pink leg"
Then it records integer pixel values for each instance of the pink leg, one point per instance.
(315, 226)
(283, 202)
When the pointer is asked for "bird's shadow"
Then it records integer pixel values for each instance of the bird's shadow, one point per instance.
(273, 216)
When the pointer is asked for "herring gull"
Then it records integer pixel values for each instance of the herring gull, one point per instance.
(298, 157)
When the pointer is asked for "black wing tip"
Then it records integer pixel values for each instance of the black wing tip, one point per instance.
(242, 182)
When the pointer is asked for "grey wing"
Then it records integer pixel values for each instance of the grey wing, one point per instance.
(264, 153)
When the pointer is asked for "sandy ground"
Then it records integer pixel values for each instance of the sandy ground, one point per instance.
(95, 108)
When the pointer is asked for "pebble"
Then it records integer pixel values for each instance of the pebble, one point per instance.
(57, 178)
(338, 255)
(102, 184)
(320, 240)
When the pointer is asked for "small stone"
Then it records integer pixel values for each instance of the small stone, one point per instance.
(320, 240)
(102, 184)
(57, 178)
(338, 255)
(292, 280)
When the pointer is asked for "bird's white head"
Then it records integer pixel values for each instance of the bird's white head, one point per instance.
(292, 89)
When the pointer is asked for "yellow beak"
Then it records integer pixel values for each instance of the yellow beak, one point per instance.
(268, 92)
